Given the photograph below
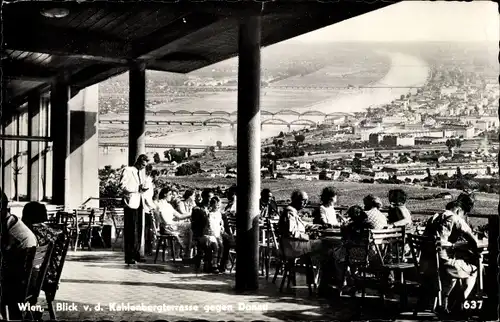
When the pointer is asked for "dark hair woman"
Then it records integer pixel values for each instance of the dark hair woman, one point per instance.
(326, 214)
(398, 215)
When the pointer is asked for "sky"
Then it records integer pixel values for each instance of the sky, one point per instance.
(416, 21)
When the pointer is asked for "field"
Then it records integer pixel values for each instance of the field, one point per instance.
(351, 193)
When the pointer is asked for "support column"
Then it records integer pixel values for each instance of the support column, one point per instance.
(137, 121)
(60, 133)
(248, 144)
(34, 155)
(84, 148)
(137, 112)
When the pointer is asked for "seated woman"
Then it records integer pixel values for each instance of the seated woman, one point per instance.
(35, 218)
(374, 218)
(398, 215)
(169, 219)
(326, 215)
(188, 202)
(455, 264)
(16, 239)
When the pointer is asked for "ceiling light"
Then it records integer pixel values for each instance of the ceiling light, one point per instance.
(55, 12)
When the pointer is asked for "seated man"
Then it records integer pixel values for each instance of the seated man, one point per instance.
(16, 240)
(295, 242)
(449, 227)
(199, 224)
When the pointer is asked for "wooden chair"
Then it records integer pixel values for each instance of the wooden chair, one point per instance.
(53, 211)
(37, 263)
(290, 266)
(389, 245)
(117, 216)
(88, 228)
(357, 261)
(232, 252)
(431, 244)
(51, 288)
(164, 240)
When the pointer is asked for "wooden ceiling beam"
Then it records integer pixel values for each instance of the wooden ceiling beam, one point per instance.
(95, 74)
(163, 41)
(22, 70)
(66, 42)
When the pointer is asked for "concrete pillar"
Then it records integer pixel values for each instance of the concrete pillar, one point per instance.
(248, 143)
(84, 148)
(34, 148)
(137, 112)
(137, 121)
(60, 133)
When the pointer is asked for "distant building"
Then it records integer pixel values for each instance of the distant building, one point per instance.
(393, 119)
(375, 138)
(398, 140)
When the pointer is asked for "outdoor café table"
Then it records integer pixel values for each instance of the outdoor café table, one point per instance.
(482, 245)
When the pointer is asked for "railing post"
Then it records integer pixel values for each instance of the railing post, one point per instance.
(248, 156)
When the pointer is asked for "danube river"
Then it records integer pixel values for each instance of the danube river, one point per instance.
(405, 71)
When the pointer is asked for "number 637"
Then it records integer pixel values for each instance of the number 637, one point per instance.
(472, 304)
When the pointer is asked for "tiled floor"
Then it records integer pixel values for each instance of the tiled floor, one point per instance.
(98, 283)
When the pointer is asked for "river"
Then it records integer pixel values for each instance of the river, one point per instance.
(405, 71)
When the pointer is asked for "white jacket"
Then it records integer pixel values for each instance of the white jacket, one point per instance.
(130, 181)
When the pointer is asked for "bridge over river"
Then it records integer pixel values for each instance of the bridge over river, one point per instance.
(287, 118)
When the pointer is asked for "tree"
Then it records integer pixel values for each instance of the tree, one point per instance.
(300, 138)
(450, 144)
(167, 155)
(156, 158)
(188, 169)
(219, 145)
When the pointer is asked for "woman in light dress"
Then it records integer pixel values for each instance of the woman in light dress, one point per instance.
(326, 215)
(171, 221)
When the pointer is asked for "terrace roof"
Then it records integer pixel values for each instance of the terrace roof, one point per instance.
(98, 39)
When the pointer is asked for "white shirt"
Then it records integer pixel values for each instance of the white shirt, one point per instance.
(167, 212)
(215, 224)
(148, 195)
(329, 215)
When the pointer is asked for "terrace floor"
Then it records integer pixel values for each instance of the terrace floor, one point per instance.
(101, 278)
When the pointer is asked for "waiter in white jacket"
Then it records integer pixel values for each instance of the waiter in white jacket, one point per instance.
(133, 183)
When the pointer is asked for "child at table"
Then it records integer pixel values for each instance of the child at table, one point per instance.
(215, 227)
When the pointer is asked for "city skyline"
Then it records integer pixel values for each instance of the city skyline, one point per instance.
(444, 21)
